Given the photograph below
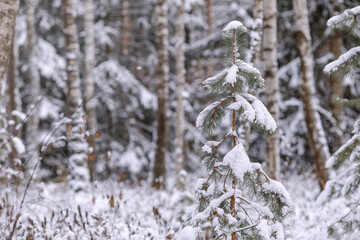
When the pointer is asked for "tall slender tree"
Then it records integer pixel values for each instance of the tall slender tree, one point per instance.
(89, 87)
(75, 127)
(162, 76)
(180, 77)
(125, 26)
(8, 11)
(237, 200)
(336, 44)
(257, 34)
(255, 47)
(315, 131)
(271, 86)
(34, 82)
(74, 97)
(14, 103)
(209, 21)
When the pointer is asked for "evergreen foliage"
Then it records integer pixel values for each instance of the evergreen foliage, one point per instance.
(346, 160)
(349, 21)
(238, 199)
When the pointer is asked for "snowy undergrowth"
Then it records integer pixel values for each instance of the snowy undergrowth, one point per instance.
(131, 213)
(312, 218)
(107, 210)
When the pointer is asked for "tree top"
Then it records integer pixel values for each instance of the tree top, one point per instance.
(234, 25)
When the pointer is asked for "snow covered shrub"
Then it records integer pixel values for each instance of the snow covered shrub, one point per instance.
(63, 224)
(346, 184)
(11, 146)
(238, 199)
(346, 160)
(66, 139)
(8, 216)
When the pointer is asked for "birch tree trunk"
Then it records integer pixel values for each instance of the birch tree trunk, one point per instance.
(126, 26)
(90, 102)
(14, 103)
(162, 76)
(315, 131)
(256, 39)
(76, 146)
(180, 77)
(74, 97)
(8, 11)
(272, 86)
(34, 83)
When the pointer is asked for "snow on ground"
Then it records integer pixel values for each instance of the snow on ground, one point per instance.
(113, 209)
(310, 220)
(135, 211)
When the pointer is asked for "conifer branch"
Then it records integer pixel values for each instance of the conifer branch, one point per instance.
(245, 228)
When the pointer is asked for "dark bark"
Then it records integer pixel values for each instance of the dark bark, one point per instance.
(162, 75)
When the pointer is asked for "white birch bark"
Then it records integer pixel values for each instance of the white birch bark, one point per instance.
(77, 147)
(180, 77)
(34, 84)
(162, 76)
(90, 102)
(272, 86)
(8, 11)
(74, 97)
(315, 131)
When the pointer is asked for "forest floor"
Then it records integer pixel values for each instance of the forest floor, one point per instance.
(116, 210)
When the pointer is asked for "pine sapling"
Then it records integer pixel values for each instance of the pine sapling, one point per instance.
(346, 160)
(237, 200)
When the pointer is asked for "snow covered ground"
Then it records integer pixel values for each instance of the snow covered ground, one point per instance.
(113, 210)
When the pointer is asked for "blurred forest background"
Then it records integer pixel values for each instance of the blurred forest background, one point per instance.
(108, 92)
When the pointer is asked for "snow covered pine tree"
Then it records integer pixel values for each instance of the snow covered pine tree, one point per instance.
(346, 160)
(238, 199)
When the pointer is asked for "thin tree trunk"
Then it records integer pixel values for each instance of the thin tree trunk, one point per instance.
(256, 40)
(232, 199)
(316, 134)
(13, 88)
(209, 21)
(162, 76)
(180, 77)
(8, 11)
(34, 83)
(14, 103)
(336, 78)
(258, 33)
(126, 26)
(90, 103)
(74, 97)
(337, 89)
(272, 86)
